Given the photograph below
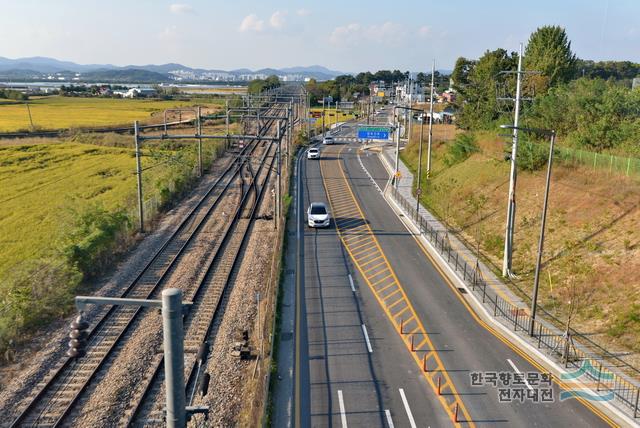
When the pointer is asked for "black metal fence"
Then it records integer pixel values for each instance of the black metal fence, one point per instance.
(571, 348)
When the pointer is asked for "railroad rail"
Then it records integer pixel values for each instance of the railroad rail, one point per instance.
(55, 399)
(206, 297)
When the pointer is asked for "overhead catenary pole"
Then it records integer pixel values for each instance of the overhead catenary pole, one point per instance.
(279, 172)
(433, 71)
(226, 121)
(172, 330)
(199, 124)
(511, 204)
(138, 176)
(536, 280)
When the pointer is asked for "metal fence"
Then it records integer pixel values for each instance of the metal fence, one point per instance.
(571, 348)
(612, 164)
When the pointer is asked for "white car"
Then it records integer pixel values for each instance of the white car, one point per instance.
(318, 215)
(313, 153)
(327, 140)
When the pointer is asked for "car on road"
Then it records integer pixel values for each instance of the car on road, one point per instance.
(327, 140)
(318, 215)
(313, 153)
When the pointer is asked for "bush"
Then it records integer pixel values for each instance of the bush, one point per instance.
(35, 293)
(91, 244)
(462, 147)
(532, 156)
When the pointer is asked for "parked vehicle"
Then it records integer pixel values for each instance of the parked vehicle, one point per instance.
(318, 215)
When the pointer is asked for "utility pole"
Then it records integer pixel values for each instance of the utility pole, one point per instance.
(511, 204)
(410, 116)
(30, 118)
(433, 72)
(199, 123)
(138, 175)
(419, 189)
(323, 117)
(396, 170)
(536, 281)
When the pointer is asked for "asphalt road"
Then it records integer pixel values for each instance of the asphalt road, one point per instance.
(353, 366)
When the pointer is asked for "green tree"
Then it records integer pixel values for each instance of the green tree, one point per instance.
(549, 51)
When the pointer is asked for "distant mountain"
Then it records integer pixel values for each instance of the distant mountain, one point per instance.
(129, 75)
(52, 69)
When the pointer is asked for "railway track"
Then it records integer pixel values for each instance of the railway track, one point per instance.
(67, 386)
(207, 297)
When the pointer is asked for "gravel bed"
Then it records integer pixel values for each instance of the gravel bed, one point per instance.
(227, 394)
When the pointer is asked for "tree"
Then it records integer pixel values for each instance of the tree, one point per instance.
(549, 51)
(460, 74)
(477, 100)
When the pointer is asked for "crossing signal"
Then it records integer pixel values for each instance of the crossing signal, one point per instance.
(78, 335)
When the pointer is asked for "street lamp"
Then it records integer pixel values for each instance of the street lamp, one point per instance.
(552, 134)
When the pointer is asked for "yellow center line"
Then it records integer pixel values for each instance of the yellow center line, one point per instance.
(333, 189)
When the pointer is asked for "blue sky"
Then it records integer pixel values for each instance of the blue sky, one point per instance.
(343, 35)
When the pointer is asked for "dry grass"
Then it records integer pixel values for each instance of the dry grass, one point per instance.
(592, 239)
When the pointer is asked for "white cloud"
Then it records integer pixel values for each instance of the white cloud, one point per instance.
(303, 12)
(389, 34)
(251, 23)
(424, 31)
(178, 8)
(277, 19)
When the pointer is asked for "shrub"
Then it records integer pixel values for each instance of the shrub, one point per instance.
(90, 245)
(462, 147)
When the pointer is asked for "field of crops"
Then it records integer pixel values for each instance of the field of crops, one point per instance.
(331, 117)
(56, 112)
(66, 204)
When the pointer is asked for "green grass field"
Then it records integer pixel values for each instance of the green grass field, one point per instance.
(57, 112)
(65, 209)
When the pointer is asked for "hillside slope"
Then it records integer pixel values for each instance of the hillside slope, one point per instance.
(591, 262)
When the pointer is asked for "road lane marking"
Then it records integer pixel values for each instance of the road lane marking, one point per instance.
(343, 415)
(351, 283)
(337, 185)
(519, 372)
(366, 338)
(412, 422)
(389, 420)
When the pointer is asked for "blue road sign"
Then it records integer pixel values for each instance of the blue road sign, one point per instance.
(374, 132)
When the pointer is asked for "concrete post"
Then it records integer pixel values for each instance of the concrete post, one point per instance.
(174, 357)
(139, 176)
(433, 71)
(226, 142)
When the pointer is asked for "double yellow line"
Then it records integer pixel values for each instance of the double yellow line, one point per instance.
(399, 310)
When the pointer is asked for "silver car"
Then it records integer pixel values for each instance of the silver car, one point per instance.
(318, 215)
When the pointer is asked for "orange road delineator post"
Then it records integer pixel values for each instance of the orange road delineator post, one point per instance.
(424, 364)
(402, 326)
(455, 414)
(413, 349)
(439, 384)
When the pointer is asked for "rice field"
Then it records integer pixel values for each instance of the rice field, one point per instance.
(56, 112)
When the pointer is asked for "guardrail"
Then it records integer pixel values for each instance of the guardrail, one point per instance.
(573, 349)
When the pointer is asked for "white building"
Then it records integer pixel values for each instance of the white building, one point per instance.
(410, 92)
